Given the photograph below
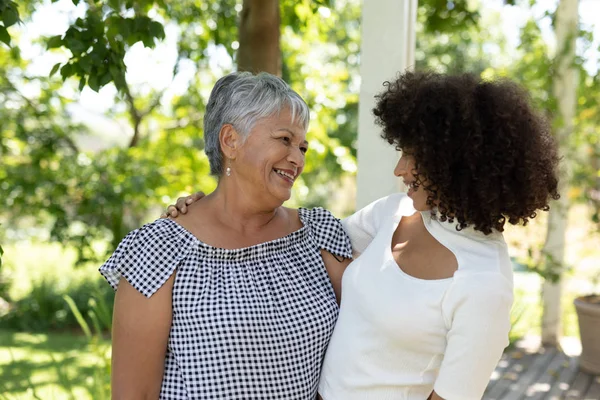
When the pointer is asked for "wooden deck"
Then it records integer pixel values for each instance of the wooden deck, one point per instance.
(545, 373)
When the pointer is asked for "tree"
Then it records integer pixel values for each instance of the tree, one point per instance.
(87, 197)
(259, 37)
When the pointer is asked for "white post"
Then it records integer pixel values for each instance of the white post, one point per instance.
(564, 87)
(388, 47)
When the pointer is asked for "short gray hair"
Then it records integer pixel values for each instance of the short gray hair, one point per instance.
(241, 99)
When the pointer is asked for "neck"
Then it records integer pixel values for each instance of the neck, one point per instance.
(241, 210)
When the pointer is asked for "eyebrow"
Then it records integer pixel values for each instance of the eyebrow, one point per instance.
(292, 133)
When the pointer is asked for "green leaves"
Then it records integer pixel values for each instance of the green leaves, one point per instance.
(9, 15)
(448, 16)
(54, 69)
(54, 42)
(156, 30)
(4, 36)
(98, 44)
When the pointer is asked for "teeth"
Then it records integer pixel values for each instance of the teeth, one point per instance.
(284, 174)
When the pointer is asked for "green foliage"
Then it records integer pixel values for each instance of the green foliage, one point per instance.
(544, 264)
(517, 314)
(86, 197)
(443, 16)
(321, 63)
(100, 314)
(44, 308)
(98, 42)
(9, 16)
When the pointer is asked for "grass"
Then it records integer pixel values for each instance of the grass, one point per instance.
(49, 366)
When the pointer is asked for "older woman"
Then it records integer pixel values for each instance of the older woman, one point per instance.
(237, 299)
(425, 311)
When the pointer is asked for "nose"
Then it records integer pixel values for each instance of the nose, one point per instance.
(296, 157)
(400, 169)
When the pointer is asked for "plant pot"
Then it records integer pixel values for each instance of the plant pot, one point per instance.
(588, 314)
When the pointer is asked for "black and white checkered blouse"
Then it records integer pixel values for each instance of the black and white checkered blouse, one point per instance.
(249, 323)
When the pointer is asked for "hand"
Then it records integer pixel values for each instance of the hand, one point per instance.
(181, 205)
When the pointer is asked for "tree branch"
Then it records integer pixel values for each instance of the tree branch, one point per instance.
(136, 118)
(136, 115)
(36, 107)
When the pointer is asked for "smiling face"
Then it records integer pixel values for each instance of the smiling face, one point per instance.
(406, 169)
(271, 158)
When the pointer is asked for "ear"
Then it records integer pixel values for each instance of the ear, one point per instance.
(229, 140)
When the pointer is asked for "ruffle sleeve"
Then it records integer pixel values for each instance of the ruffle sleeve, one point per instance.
(148, 256)
(327, 231)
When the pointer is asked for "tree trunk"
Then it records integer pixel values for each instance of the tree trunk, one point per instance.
(259, 37)
(564, 87)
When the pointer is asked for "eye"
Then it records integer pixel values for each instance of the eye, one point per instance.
(303, 149)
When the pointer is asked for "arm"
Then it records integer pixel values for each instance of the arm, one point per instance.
(477, 310)
(140, 334)
(362, 226)
(335, 267)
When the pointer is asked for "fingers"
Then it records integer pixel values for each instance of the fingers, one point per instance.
(172, 211)
(198, 195)
(181, 205)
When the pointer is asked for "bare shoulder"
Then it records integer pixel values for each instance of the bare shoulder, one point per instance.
(198, 217)
(290, 212)
(292, 217)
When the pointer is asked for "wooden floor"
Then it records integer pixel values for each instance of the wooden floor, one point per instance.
(546, 374)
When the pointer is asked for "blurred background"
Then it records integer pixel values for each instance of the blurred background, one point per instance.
(101, 107)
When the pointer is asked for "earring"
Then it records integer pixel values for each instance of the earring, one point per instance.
(228, 169)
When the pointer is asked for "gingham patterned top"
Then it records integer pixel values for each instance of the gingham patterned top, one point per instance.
(249, 323)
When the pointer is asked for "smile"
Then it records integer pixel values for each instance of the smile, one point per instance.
(287, 175)
(411, 185)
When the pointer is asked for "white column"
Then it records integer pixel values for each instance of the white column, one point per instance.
(564, 87)
(388, 47)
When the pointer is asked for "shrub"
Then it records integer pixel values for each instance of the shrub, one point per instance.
(44, 308)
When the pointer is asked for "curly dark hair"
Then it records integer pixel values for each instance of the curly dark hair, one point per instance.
(482, 152)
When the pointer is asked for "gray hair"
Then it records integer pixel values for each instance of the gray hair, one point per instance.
(242, 99)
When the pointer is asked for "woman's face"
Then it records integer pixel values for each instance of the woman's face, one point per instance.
(271, 158)
(405, 169)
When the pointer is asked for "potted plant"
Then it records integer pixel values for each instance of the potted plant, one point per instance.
(588, 315)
